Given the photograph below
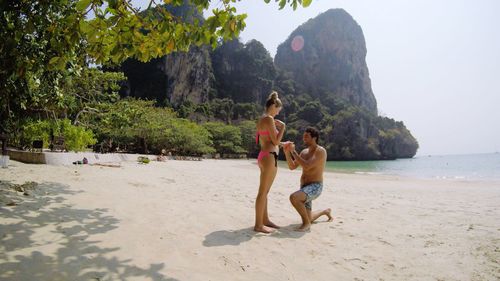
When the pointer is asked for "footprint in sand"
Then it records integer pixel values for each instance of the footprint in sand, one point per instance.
(383, 241)
(432, 243)
(167, 180)
(234, 264)
(312, 253)
(359, 262)
(138, 184)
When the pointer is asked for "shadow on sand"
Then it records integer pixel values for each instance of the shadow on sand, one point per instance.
(74, 255)
(236, 237)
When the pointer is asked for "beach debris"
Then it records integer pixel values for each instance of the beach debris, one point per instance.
(188, 158)
(25, 187)
(143, 160)
(234, 263)
(9, 192)
(97, 276)
(112, 165)
(81, 162)
(161, 158)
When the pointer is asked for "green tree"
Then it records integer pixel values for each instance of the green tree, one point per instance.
(247, 129)
(226, 138)
(83, 93)
(246, 111)
(76, 138)
(312, 112)
(138, 126)
(119, 125)
(185, 137)
(45, 42)
(223, 109)
(32, 49)
(34, 130)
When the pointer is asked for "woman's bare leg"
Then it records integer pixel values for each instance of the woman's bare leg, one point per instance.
(267, 174)
(267, 221)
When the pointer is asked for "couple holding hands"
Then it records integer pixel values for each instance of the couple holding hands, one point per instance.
(312, 159)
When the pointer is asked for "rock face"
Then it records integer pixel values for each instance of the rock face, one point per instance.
(243, 72)
(189, 75)
(331, 61)
(320, 73)
(172, 79)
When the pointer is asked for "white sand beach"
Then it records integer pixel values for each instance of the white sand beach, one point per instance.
(193, 220)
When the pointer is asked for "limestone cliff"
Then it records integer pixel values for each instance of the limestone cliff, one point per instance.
(243, 72)
(331, 61)
(320, 73)
(172, 79)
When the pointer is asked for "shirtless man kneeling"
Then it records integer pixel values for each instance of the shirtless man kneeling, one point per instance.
(312, 160)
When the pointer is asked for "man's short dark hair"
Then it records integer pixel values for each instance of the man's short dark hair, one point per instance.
(313, 132)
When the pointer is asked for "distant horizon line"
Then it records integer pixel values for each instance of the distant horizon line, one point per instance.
(457, 154)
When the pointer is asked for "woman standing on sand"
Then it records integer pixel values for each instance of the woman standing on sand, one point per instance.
(269, 134)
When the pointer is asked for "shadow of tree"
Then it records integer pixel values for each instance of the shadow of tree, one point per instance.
(76, 256)
(236, 237)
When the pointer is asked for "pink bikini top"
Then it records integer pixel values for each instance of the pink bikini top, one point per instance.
(262, 133)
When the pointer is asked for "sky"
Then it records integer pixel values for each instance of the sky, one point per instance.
(433, 64)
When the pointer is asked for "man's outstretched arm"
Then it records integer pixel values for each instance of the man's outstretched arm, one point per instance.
(292, 164)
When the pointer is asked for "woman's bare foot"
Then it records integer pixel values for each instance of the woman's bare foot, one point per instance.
(271, 224)
(304, 227)
(263, 229)
(328, 213)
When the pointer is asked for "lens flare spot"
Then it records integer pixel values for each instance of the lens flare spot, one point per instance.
(297, 43)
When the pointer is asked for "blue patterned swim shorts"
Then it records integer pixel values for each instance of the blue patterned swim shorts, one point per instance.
(312, 191)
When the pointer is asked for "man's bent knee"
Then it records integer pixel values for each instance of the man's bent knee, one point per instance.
(296, 198)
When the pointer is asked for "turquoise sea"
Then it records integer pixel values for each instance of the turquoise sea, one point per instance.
(462, 167)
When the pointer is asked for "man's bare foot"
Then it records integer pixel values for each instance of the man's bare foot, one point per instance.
(271, 224)
(329, 214)
(304, 227)
(263, 229)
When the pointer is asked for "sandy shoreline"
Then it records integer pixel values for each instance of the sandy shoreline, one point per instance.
(189, 220)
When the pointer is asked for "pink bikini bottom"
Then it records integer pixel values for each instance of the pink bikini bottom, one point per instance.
(263, 154)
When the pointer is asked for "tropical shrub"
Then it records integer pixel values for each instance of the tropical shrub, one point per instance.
(226, 139)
